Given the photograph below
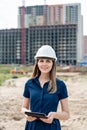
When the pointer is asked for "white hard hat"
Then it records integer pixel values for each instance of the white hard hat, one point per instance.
(46, 51)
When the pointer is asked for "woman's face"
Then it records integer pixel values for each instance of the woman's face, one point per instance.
(45, 65)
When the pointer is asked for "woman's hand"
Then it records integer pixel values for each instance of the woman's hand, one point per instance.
(30, 118)
(50, 118)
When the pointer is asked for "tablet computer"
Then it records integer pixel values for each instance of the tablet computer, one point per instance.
(36, 114)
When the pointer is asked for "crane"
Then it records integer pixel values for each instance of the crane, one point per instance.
(44, 11)
(23, 32)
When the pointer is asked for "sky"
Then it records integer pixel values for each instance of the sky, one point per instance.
(9, 11)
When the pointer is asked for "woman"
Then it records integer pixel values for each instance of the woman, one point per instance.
(44, 91)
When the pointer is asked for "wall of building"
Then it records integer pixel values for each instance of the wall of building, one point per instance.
(63, 38)
(10, 46)
(85, 48)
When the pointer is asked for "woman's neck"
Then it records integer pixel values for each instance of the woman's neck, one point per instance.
(43, 79)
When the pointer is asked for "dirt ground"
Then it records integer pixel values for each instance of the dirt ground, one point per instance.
(11, 101)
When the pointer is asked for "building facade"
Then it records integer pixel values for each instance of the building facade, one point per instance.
(50, 14)
(55, 15)
(10, 46)
(85, 49)
(63, 38)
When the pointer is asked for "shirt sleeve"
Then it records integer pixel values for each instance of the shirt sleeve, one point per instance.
(63, 91)
(26, 92)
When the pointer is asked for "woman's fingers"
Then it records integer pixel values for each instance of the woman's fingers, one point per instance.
(30, 118)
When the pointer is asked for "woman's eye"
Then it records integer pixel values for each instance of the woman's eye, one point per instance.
(41, 61)
(48, 61)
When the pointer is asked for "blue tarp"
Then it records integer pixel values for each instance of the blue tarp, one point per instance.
(83, 64)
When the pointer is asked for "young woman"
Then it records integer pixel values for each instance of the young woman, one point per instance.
(43, 92)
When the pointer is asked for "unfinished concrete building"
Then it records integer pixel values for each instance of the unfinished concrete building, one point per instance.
(51, 15)
(10, 46)
(63, 38)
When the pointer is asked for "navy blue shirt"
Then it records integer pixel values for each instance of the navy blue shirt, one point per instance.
(43, 101)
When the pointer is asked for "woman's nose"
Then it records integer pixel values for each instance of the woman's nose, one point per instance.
(44, 63)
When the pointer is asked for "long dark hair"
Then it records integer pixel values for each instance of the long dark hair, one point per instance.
(52, 87)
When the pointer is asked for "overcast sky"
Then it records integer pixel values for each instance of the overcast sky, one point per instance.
(9, 11)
